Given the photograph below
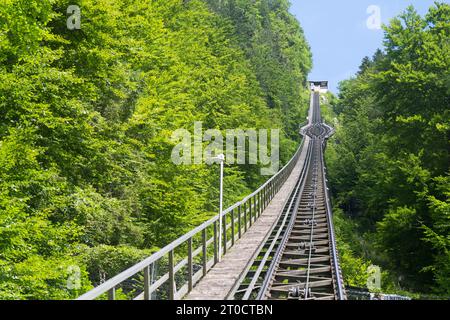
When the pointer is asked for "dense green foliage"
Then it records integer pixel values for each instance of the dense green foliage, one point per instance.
(86, 118)
(389, 161)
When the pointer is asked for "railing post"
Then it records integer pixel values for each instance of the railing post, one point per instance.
(239, 221)
(172, 288)
(190, 265)
(216, 257)
(232, 227)
(259, 204)
(147, 283)
(265, 197)
(205, 256)
(271, 190)
(224, 231)
(112, 294)
(258, 207)
(245, 216)
(250, 210)
(255, 208)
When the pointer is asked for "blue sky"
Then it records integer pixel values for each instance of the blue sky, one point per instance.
(338, 34)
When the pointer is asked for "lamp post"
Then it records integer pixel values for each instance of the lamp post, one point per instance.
(221, 158)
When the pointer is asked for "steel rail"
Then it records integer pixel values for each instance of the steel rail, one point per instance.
(293, 207)
(278, 237)
(311, 240)
(273, 243)
(274, 265)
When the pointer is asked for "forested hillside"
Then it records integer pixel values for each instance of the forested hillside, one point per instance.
(389, 161)
(86, 118)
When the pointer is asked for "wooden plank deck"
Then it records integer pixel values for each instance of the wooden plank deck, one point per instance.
(220, 280)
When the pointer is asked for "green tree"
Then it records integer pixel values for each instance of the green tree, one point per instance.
(86, 118)
(389, 160)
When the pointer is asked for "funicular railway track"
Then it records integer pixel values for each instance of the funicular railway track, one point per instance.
(279, 240)
(298, 259)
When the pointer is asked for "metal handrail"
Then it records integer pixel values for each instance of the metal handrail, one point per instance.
(248, 210)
